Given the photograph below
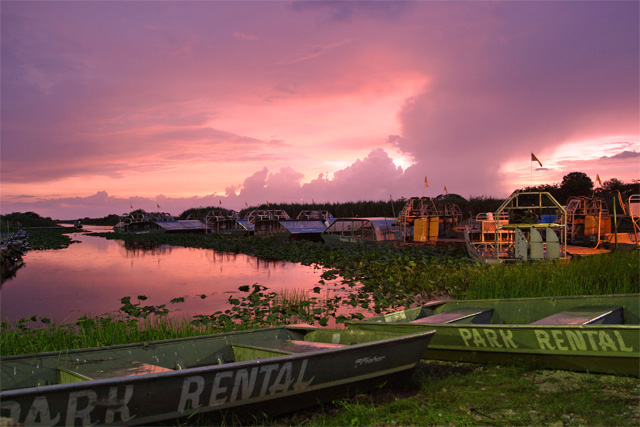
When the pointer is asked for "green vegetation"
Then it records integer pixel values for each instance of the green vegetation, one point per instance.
(43, 233)
(576, 184)
(49, 239)
(464, 394)
(35, 335)
(611, 273)
(11, 222)
(109, 220)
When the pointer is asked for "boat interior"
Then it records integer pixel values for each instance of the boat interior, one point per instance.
(606, 310)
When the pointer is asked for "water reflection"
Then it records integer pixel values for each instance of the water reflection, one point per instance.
(130, 248)
(92, 276)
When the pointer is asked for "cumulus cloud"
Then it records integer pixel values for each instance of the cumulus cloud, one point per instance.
(625, 155)
(375, 177)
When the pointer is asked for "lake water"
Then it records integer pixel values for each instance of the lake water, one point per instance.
(92, 276)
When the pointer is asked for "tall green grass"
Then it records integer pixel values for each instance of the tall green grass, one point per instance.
(36, 336)
(612, 273)
(257, 309)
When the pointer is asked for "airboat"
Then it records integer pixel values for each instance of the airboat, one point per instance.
(528, 226)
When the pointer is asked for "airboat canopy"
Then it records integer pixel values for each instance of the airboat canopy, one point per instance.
(361, 230)
(528, 226)
(192, 225)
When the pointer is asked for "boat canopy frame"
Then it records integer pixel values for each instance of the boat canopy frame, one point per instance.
(531, 215)
(579, 208)
(377, 229)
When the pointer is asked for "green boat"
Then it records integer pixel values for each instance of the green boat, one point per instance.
(273, 371)
(584, 333)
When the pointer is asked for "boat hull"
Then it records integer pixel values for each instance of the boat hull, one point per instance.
(511, 338)
(273, 378)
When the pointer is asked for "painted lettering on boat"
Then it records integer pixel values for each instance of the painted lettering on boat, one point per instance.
(548, 339)
(593, 340)
(113, 405)
(502, 338)
(80, 405)
(242, 384)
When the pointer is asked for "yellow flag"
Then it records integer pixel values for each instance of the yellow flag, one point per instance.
(598, 179)
(426, 183)
(535, 159)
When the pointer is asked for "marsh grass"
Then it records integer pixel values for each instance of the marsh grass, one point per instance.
(35, 335)
(611, 273)
(139, 323)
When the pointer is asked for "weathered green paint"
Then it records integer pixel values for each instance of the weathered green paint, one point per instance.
(148, 382)
(512, 338)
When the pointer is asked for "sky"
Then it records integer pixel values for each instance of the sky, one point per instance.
(110, 106)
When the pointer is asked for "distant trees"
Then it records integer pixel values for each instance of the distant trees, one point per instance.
(111, 219)
(27, 219)
(573, 184)
(362, 208)
(576, 184)
(614, 185)
(201, 213)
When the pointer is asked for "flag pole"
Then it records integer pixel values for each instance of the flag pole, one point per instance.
(531, 174)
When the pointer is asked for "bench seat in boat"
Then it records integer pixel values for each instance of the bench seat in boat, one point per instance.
(600, 315)
(113, 368)
(244, 352)
(461, 315)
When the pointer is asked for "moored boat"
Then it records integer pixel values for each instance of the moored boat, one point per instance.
(364, 230)
(307, 229)
(268, 223)
(272, 370)
(142, 222)
(528, 226)
(225, 221)
(583, 333)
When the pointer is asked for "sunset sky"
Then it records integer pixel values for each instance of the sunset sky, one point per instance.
(110, 105)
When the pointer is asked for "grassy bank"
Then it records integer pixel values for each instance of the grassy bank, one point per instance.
(471, 395)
